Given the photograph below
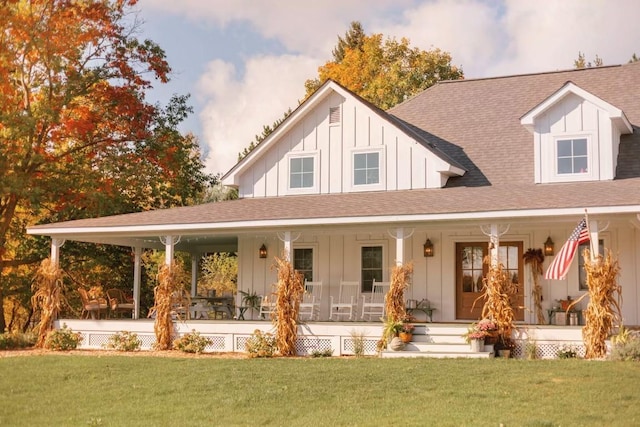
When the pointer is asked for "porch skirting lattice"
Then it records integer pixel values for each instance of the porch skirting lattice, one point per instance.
(232, 336)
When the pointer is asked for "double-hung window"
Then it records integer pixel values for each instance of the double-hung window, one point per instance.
(371, 262)
(572, 156)
(303, 262)
(366, 168)
(301, 172)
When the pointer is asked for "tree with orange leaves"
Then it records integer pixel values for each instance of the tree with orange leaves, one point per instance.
(77, 137)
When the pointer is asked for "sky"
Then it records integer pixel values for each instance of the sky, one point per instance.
(244, 62)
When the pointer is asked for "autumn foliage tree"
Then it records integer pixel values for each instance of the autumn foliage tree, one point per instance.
(77, 137)
(384, 71)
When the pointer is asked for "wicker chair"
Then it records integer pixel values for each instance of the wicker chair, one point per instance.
(92, 307)
(118, 303)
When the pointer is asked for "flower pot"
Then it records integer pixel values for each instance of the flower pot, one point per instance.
(396, 344)
(477, 345)
(406, 336)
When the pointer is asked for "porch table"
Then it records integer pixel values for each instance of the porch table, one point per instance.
(221, 305)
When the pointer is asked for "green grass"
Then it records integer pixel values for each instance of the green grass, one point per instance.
(77, 390)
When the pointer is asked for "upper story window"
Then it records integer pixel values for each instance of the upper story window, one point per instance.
(572, 156)
(366, 168)
(301, 172)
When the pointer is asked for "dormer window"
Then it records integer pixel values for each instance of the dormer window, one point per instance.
(572, 156)
(576, 136)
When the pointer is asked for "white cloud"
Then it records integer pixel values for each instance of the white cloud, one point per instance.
(308, 27)
(486, 38)
(237, 107)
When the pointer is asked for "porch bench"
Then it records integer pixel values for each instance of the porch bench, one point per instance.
(423, 306)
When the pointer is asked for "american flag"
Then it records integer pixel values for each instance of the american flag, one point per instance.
(560, 265)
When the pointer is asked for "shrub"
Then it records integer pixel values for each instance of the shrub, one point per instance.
(192, 342)
(566, 351)
(124, 341)
(322, 353)
(261, 344)
(358, 342)
(62, 339)
(627, 349)
(13, 340)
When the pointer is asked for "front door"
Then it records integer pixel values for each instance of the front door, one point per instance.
(471, 269)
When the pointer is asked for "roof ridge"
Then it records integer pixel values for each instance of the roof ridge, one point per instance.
(571, 70)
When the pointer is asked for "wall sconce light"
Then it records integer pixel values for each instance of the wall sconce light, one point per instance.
(262, 252)
(428, 248)
(548, 247)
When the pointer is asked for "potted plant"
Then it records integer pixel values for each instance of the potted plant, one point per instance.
(251, 300)
(406, 331)
(475, 337)
(491, 330)
(390, 332)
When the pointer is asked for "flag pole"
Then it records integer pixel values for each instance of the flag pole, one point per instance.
(586, 218)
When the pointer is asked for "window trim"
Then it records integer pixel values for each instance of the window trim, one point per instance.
(572, 177)
(381, 170)
(303, 155)
(374, 243)
(314, 249)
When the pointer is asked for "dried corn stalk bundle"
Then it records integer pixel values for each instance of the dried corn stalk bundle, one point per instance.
(498, 290)
(289, 293)
(394, 300)
(47, 297)
(603, 310)
(168, 294)
(534, 258)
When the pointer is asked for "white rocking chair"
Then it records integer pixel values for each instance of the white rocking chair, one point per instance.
(310, 305)
(373, 303)
(267, 306)
(347, 301)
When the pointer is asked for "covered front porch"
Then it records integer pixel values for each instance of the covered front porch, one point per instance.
(430, 339)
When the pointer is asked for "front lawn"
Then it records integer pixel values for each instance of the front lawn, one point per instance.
(118, 390)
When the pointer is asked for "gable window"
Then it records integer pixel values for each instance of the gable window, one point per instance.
(301, 172)
(572, 156)
(366, 168)
(303, 262)
(371, 262)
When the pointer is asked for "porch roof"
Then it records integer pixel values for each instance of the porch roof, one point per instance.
(230, 218)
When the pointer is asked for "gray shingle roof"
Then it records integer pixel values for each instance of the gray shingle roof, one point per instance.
(476, 123)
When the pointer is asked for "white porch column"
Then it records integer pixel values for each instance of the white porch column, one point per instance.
(168, 247)
(399, 246)
(287, 245)
(137, 274)
(494, 243)
(194, 274)
(56, 244)
(594, 240)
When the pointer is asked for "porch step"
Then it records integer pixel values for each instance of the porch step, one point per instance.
(439, 341)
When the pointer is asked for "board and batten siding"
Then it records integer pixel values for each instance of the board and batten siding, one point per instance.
(574, 117)
(405, 163)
